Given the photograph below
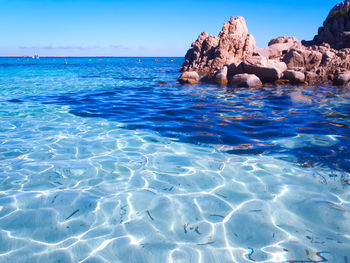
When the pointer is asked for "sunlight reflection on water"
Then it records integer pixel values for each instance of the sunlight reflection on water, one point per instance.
(98, 163)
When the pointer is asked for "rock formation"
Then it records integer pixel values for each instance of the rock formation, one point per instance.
(336, 28)
(209, 53)
(286, 60)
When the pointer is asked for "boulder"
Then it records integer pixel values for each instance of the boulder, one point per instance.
(220, 76)
(295, 77)
(268, 71)
(302, 58)
(311, 78)
(283, 40)
(342, 79)
(245, 80)
(189, 77)
(278, 47)
(210, 53)
(328, 55)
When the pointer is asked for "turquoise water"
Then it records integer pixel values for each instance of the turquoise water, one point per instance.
(101, 163)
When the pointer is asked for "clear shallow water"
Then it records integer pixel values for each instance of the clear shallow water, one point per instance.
(99, 163)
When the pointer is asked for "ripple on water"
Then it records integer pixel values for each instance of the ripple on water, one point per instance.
(99, 167)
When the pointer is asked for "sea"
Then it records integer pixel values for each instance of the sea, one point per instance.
(111, 160)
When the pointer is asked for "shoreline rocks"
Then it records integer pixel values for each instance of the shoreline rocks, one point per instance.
(220, 77)
(189, 77)
(294, 77)
(246, 80)
(268, 71)
(342, 79)
(325, 59)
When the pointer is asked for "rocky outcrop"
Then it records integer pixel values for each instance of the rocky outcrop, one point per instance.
(333, 63)
(286, 60)
(336, 28)
(209, 53)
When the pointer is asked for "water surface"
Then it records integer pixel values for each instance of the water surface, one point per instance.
(101, 163)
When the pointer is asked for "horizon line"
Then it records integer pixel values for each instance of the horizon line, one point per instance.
(94, 56)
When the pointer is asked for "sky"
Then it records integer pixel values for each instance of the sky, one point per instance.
(145, 28)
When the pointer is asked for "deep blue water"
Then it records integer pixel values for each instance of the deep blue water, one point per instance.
(99, 162)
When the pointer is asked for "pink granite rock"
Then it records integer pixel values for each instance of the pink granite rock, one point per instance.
(220, 77)
(342, 79)
(295, 77)
(267, 70)
(245, 80)
(302, 58)
(210, 53)
(326, 59)
(278, 47)
(189, 77)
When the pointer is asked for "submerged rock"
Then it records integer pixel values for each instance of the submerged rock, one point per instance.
(162, 83)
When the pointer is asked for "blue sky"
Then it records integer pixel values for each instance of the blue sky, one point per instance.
(144, 28)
